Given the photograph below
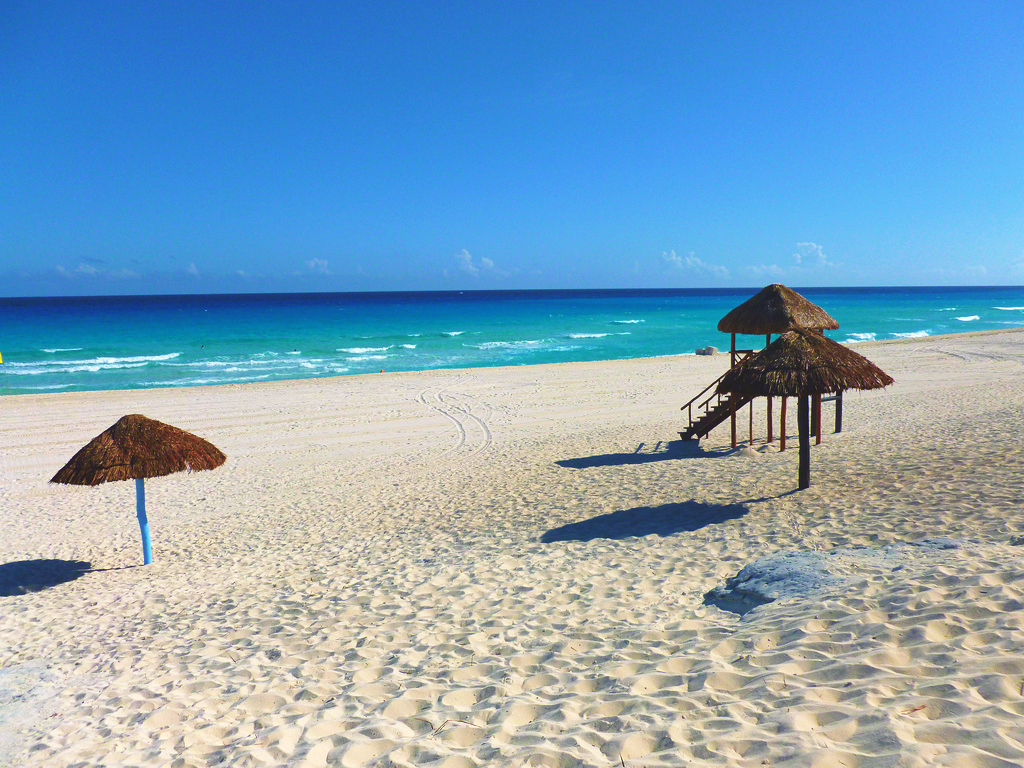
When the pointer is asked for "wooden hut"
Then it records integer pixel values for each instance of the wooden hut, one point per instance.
(774, 309)
(802, 364)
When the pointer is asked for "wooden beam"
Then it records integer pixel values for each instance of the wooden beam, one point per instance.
(802, 419)
(839, 411)
(732, 364)
(816, 419)
(782, 426)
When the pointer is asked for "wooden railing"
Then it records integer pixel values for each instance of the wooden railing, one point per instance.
(742, 354)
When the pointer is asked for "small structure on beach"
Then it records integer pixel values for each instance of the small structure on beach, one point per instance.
(802, 363)
(774, 309)
(135, 448)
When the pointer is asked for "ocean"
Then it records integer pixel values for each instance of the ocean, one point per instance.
(133, 342)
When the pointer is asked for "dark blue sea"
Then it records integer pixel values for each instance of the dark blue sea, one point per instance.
(131, 342)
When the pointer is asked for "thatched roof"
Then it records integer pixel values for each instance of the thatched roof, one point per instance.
(801, 362)
(137, 447)
(776, 309)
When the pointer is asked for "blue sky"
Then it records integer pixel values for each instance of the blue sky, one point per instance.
(249, 147)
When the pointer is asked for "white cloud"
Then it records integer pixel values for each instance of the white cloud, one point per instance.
(970, 271)
(466, 264)
(811, 255)
(191, 269)
(672, 261)
(691, 263)
(771, 270)
(241, 273)
(90, 271)
(319, 266)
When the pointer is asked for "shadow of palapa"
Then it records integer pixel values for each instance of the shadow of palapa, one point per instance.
(661, 451)
(24, 576)
(644, 521)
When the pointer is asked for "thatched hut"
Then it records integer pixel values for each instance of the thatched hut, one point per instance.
(802, 363)
(774, 309)
(135, 448)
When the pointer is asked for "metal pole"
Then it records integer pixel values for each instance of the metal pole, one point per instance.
(140, 511)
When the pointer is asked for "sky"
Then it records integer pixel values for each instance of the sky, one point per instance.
(196, 147)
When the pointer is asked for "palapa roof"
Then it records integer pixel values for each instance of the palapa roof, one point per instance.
(137, 447)
(776, 309)
(802, 362)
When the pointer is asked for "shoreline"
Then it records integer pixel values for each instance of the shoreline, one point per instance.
(721, 353)
(496, 566)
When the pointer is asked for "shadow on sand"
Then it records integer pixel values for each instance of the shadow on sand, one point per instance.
(644, 521)
(23, 576)
(660, 451)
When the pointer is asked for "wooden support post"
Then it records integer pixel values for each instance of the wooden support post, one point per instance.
(802, 419)
(750, 440)
(732, 364)
(733, 415)
(767, 341)
(782, 426)
(839, 411)
(816, 419)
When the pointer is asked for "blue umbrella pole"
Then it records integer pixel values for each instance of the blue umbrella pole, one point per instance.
(140, 510)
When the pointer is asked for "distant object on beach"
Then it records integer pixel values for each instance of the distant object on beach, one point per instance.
(710, 351)
(136, 447)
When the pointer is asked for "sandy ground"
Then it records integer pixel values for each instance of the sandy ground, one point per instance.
(508, 567)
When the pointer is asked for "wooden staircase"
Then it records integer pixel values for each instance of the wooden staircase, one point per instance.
(705, 415)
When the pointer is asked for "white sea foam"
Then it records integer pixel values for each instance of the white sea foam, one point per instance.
(911, 335)
(857, 337)
(968, 318)
(627, 322)
(114, 362)
(360, 358)
(1010, 309)
(408, 346)
(587, 335)
(65, 349)
(453, 333)
(946, 309)
(509, 344)
(363, 350)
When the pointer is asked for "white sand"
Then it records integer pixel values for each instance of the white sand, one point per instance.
(396, 570)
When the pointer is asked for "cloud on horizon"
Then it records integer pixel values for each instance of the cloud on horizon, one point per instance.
(90, 271)
(319, 266)
(466, 264)
(690, 263)
(811, 255)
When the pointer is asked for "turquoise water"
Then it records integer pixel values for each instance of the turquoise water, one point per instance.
(131, 342)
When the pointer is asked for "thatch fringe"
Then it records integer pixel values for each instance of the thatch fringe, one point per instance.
(138, 447)
(776, 309)
(802, 362)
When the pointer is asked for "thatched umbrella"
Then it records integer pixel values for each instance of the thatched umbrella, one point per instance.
(776, 309)
(798, 364)
(136, 448)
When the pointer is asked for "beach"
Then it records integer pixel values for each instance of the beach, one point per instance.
(508, 567)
